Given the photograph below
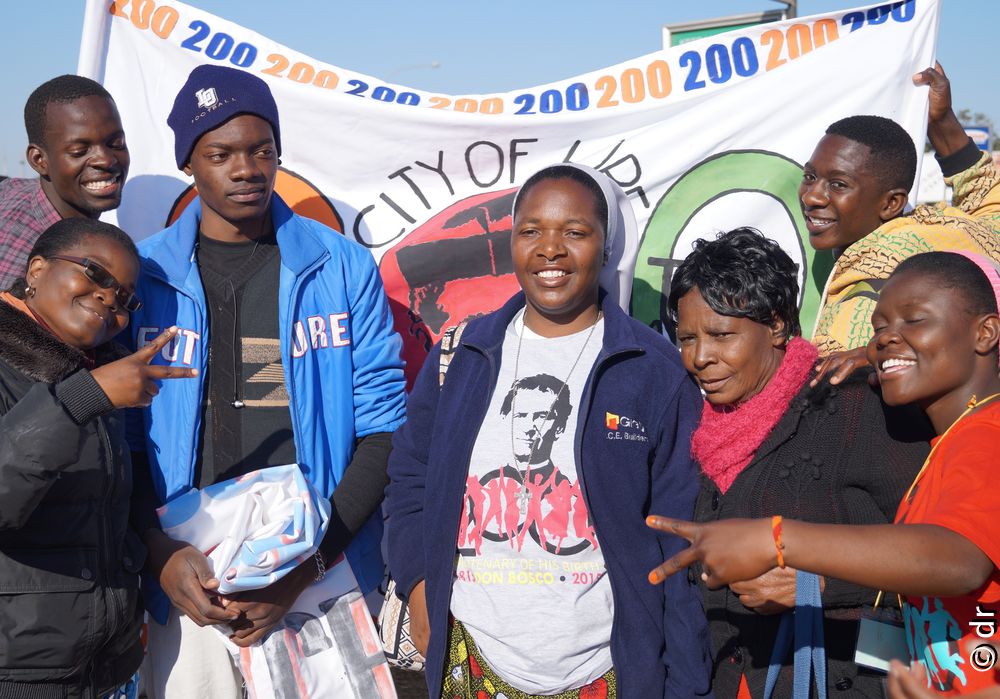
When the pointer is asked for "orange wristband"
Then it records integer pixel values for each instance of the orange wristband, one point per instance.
(776, 533)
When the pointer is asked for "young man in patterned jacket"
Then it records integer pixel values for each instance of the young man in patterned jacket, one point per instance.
(853, 193)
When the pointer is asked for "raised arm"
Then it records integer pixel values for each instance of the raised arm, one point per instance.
(944, 130)
(39, 437)
(975, 182)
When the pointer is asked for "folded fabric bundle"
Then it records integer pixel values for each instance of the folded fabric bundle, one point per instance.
(254, 529)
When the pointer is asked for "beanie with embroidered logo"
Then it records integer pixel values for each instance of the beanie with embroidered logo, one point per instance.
(211, 96)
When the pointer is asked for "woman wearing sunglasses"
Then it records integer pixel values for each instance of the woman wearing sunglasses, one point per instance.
(69, 611)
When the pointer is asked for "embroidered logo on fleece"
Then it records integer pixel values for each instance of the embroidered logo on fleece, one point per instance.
(624, 428)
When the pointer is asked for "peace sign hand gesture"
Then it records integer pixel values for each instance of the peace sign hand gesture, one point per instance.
(730, 550)
(131, 382)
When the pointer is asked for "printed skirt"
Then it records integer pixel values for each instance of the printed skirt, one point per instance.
(467, 676)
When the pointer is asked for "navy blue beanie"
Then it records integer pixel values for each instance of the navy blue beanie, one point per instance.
(212, 96)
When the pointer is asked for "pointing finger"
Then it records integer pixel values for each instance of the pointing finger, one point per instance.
(157, 371)
(673, 526)
(149, 351)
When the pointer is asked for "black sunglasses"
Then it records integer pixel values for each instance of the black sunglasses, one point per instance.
(104, 279)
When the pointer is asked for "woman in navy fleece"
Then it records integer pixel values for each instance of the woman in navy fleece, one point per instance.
(520, 481)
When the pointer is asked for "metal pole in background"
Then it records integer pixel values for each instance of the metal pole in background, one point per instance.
(791, 10)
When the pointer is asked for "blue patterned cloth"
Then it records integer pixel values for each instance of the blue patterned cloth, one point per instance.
(254, 529)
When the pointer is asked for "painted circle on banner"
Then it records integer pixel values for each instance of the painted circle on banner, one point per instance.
(455, 266)
(731, 210)
(724, 192)
(300, 194)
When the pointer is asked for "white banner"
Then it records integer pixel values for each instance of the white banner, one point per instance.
(704, 137)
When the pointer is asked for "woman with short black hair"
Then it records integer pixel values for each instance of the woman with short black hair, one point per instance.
(934, 346)
(769, 443)
(69, 561)
(757, 274)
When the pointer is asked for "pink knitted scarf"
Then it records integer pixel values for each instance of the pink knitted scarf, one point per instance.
(727, 438)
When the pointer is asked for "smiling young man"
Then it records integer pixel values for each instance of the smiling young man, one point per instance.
(290, 328)
(77, 146)
(853, 193)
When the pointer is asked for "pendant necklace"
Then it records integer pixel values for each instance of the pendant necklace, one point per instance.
(522, 496)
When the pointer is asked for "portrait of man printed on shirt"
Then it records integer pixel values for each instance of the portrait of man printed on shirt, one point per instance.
(530, 497)
(541, 406)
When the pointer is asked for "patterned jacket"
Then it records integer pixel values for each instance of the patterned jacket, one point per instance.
(844, 320)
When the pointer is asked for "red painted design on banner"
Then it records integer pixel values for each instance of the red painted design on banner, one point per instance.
(455, 266)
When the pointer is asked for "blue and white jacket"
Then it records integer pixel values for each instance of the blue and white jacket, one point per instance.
(340, 354)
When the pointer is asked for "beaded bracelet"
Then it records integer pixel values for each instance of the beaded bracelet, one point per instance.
(776, 533)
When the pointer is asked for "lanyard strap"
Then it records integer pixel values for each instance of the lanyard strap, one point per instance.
(806, 621)
(973, 404)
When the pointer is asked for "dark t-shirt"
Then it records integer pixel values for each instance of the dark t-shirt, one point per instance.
(244, 367)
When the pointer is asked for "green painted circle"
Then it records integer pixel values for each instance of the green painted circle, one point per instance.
(726, 173)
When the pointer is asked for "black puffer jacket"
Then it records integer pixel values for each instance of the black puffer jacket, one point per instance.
(839, 455)
(69, 609)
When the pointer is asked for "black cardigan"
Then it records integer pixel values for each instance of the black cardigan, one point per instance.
(838, 455)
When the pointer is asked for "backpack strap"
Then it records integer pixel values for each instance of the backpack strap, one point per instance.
(449, 345)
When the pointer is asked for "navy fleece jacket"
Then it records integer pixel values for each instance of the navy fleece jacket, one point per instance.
(659, 637)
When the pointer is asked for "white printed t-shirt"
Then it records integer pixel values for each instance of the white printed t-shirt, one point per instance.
(531, 587)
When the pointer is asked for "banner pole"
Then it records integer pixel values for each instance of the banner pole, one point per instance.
(94, 40)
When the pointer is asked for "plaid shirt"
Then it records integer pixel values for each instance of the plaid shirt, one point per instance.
(25, 212)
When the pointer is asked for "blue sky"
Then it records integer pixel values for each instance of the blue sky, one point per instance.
(479, 46)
